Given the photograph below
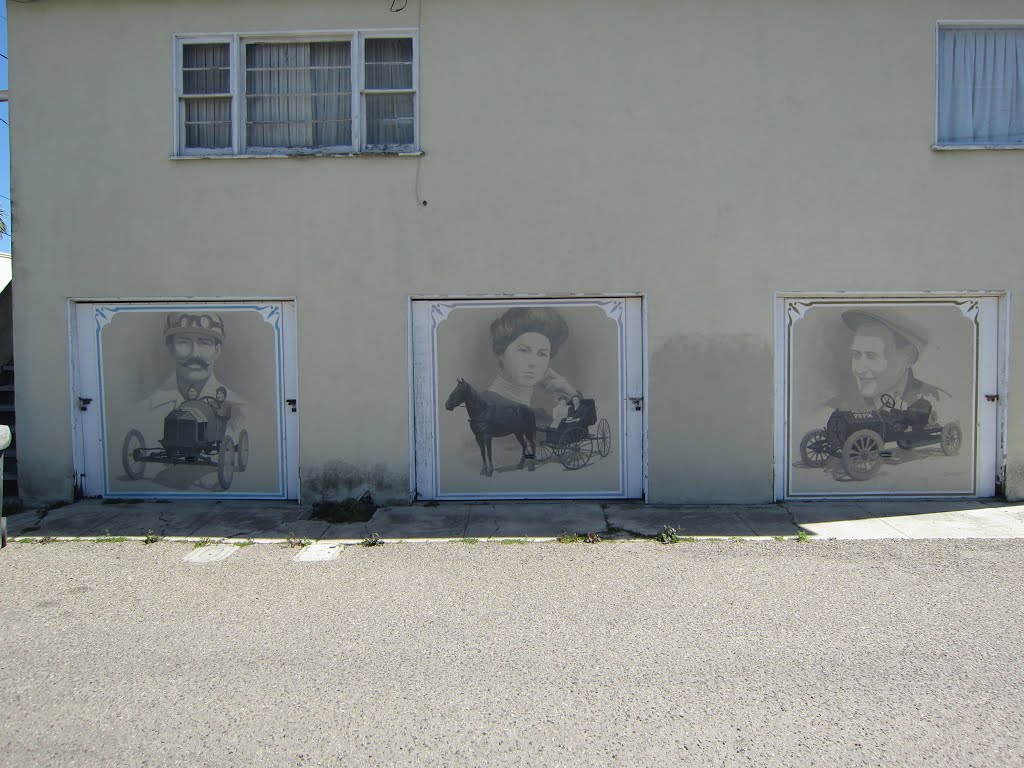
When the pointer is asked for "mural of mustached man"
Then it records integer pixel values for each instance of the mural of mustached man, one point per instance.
(881, 398)
(189, 401)
(529, 398)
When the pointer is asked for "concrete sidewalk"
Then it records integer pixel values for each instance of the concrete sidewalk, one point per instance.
(259, 520)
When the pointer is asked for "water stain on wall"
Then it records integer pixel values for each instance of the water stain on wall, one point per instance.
(711, 416)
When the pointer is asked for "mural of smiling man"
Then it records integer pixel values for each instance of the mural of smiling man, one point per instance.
(884, 346)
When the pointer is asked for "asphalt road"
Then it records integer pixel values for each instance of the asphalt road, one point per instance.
(712, 653)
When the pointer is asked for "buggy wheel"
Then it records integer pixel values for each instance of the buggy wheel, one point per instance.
(226, 462)
(131, 454)
(575, 449)
(951, 439)
(861, 454)
(604, 438)
(542, 450)
(242, 449)
(814, 449)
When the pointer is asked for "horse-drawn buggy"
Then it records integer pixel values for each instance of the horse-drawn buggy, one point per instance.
(571, 441)
(858, 438)
(195, 434)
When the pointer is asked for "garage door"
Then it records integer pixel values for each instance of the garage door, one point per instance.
(528, 399)
(186, 399)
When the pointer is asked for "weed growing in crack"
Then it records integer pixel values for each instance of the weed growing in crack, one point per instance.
(246, 543)
(513, 542)
(466, 541)
(294, 542)
(569, 538)
(592, 538)
(803, 536)
(151, 538)
(373, 540)
(668, 536)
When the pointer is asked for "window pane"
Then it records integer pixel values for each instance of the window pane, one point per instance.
(389, 63)
(298, 94)
(390, 119)
(206, 68)
(208, 123)
(981, 86)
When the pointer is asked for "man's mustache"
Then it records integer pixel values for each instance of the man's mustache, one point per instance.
(195, 361)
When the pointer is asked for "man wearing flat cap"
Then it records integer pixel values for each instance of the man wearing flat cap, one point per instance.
(884, 347)
(194, 341)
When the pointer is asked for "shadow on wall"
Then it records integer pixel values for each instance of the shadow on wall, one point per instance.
(712, 419)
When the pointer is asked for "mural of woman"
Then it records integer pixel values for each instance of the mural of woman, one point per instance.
(524, 341)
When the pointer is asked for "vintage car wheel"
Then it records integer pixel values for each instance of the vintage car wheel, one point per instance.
(574, 449)
(604, 438)
(131, 454)
(814, 448)
(242, 451)
(861, 454)
(951, 439)
(226, 462)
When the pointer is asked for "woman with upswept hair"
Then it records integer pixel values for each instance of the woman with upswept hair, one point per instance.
(524, 339)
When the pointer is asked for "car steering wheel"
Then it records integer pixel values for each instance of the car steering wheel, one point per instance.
(888, 401)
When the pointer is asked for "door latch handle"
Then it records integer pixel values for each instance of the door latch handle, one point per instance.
(83, 403)
(638, 403)
(293, 404)
(992, 398)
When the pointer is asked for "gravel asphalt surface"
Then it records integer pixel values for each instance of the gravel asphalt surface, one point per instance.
(760, 653)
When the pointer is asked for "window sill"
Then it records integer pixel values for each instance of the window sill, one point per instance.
(301, 154)
(974, 147)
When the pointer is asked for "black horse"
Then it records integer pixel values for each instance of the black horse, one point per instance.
(495, 416)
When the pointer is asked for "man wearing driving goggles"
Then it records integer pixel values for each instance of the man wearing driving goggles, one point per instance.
(194, 341)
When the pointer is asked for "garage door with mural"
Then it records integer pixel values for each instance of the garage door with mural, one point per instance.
(886, 397)
(189, 399)
(528, 399)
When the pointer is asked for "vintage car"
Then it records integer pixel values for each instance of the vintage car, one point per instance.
(858, 438)
(195, 433)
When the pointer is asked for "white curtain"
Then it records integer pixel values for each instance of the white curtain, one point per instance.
(298, 95)
(205, 73)
(390, 117)
(981, 86)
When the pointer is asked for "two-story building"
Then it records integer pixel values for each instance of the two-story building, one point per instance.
(674, 250)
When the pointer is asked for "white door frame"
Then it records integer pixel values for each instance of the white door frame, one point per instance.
(423, 408)
(993, 379)
(88, 448)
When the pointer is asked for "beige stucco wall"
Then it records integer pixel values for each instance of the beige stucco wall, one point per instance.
(704, 153)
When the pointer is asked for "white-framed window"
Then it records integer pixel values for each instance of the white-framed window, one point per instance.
(980, 88)
(323, 93)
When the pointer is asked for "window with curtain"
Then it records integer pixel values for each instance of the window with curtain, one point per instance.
(981, 86)
(282, 95)
(206, 95)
